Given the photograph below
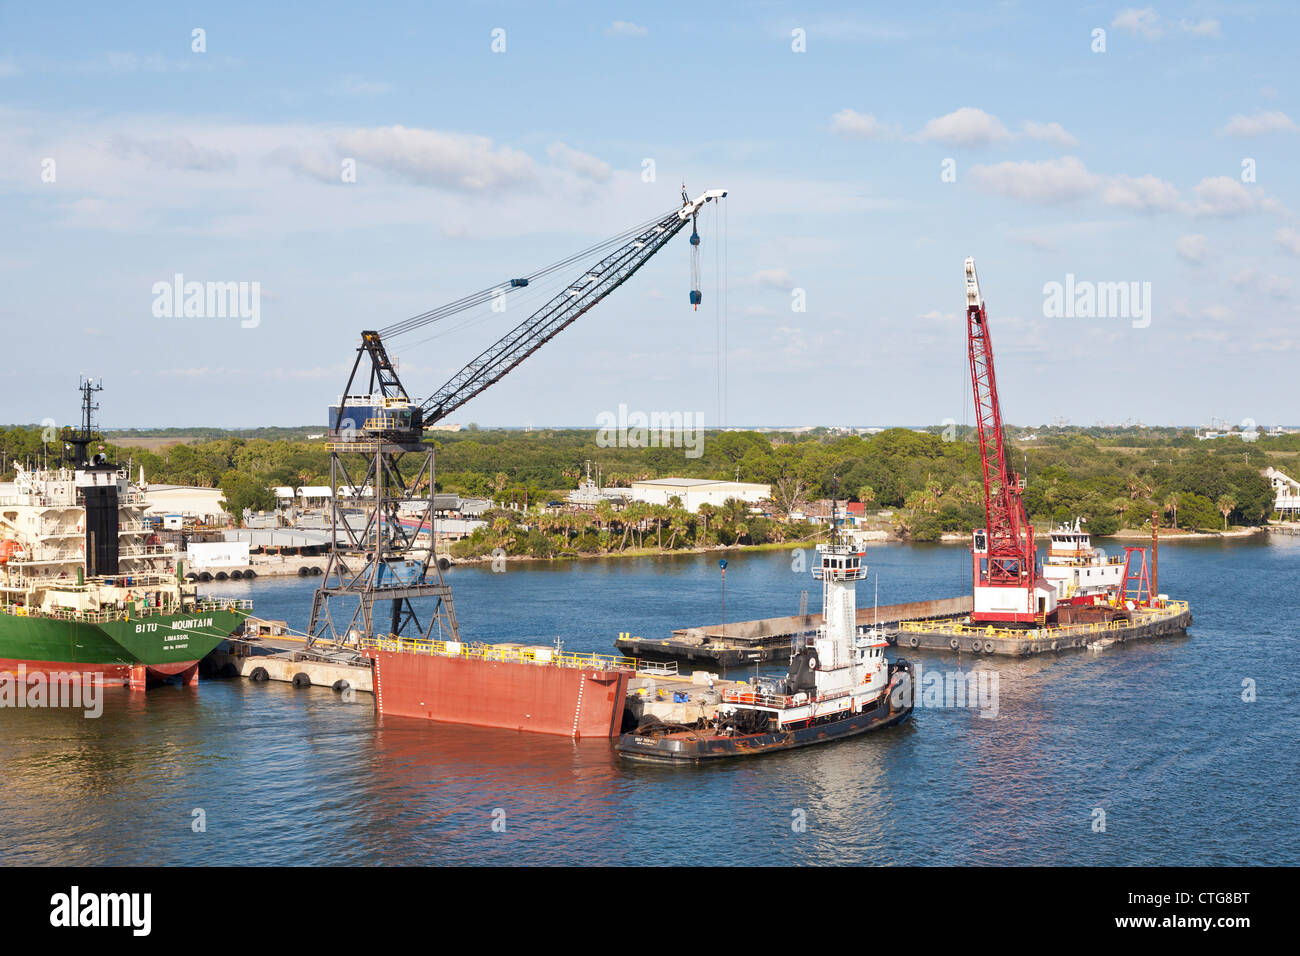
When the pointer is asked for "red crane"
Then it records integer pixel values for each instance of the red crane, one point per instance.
(1004, 563)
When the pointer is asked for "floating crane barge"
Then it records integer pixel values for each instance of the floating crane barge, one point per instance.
(1077, 597)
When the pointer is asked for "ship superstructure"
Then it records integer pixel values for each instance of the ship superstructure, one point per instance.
(85, 584)
(1081, 573)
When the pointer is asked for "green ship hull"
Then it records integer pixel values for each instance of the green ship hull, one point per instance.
(162, 644)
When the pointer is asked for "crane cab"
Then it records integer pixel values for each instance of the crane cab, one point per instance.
(358, 417)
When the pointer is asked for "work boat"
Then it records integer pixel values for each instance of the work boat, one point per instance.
(839, 684)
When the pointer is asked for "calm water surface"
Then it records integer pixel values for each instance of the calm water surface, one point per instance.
(1156, 735)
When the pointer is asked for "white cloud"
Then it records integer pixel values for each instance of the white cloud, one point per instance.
(583, 165)
(1289, 240)
(1048, 132)
(1192, 247)
(1142, 193)
(1048, 181)
(1204, 28)
(1223, 196)
(1272, 121)
(849, 122)
(1273, 286)
(624, 28)
(773, 279)
(354, 85)
(1141, 22)
(968, 126)
(427, 157)
(309, 162)
(175, 152)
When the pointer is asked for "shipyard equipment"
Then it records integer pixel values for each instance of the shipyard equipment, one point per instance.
(382, 471)
(1008, 586)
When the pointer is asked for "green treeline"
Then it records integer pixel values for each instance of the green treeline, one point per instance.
(930, 481)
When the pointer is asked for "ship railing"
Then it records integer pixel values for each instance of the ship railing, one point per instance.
(1143, 615)
(496, 652)
(757, 700)
(126, 614)
(778, 701)
(657, 668)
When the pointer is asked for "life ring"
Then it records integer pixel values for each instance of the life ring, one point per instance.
(914, 641)
(813, 663)
(954, 644)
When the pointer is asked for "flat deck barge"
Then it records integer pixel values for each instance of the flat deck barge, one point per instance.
(772, 639)
(1170, 620)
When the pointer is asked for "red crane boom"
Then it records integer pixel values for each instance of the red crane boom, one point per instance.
(1004, 560)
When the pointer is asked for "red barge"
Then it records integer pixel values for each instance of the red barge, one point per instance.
(510, 686)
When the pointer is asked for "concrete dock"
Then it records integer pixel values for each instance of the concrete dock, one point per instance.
(284, 657)
(772, 639)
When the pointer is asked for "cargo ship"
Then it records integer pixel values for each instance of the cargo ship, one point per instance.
(86, 588)
(839, 685)
(510, 686)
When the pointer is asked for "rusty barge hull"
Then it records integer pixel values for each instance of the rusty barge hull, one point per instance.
(578, 702)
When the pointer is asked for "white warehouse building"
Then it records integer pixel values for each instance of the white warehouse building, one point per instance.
(694, 492)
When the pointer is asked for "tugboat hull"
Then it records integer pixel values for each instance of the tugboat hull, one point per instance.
(692, 747)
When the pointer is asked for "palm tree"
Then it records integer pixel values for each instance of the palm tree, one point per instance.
(1225, 504)
(1119, 506)
(1171, 506)
(707, 511)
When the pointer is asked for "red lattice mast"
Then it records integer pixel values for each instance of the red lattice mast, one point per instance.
(1011, 540)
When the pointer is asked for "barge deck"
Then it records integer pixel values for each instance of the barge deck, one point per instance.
(1171, 620)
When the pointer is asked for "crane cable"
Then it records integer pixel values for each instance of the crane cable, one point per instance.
(486, 295)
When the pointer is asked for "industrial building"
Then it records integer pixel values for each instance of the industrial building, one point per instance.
(203, 504)
(694, 492)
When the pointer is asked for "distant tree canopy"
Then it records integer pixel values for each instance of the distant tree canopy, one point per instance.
(931, 478)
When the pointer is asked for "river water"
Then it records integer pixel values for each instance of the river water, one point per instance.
(1139, 754)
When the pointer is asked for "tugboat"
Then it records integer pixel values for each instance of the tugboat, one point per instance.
(839, 684)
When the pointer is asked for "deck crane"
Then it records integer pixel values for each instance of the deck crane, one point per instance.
(1007, 585)
(378, 506)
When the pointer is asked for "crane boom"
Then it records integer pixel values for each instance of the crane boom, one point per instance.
(597, 282)
(1004, 558)
(385, 409)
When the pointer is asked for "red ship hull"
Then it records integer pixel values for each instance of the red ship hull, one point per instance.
(540, 698)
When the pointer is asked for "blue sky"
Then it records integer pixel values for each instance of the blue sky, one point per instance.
(473, 166)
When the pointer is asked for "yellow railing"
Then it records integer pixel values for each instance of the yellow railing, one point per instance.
(1142, 615)
(496, 652)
